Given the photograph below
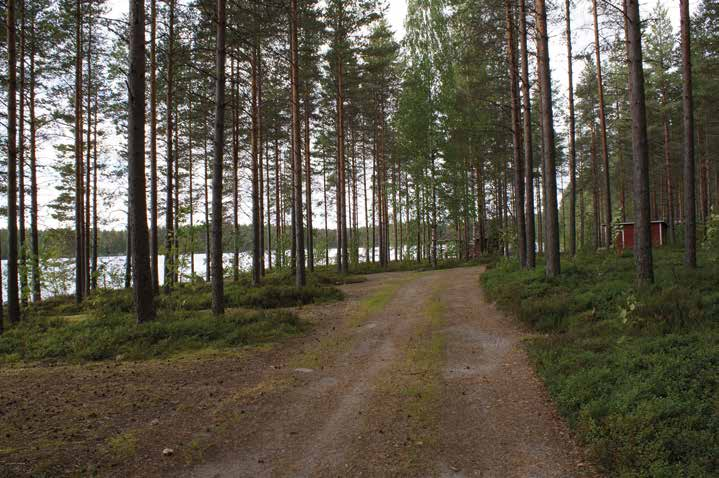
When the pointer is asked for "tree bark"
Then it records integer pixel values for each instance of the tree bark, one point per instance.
(234, 81)
(21, 161)
(79, 188)
(256, 225)
(603, 132)
(296, 150)
(13, 301)
(595, 191)
(94, 270)
(640, 147)
(572, 134)
(154, 243)
(668, 180)
(308, 187)
(207, 204)
(218, 286)
(169, 219)
(342, 265)
(516, 140)
(269, 212)
(142, 278)
(88, 156)
(690, 233)
(35, 254)
(551, 219)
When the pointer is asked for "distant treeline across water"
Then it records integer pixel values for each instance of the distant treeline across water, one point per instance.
(60, 242)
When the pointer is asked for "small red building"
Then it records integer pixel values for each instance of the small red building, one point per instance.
(625, 236)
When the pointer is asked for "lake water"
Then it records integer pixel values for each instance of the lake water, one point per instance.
(59, 275)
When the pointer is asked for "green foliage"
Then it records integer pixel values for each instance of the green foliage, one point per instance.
(103, 326)
(635, 371)
(118, 335)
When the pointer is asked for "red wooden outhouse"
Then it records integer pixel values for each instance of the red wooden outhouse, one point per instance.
(625, 236)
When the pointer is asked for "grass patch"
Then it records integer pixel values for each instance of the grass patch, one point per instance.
(329, 345)
(634, 371)
(377, 301)
(119, 336)
(418, 387)
(102, 327)
(121, 447)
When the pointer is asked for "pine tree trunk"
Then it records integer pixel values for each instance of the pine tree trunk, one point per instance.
(12, 278)
(128, 255)
(296, 149)
(516, 140)
(640, 147)
(94, 270)
(690, 233)
(308, 187)
(142, 278)
(260, 153)
(234, 81)
(218, 286)
(21, 162)
(207, 204)
(342, 266)
(324, 192)
(154, 242)
(364, 186)
(668, 181)
(269, 212)
(256, 255)
(88, 157)
(549, 171)
(603, 132)
(190, 170)
(278, 206)
(35, 254)
(169, 219)
(572, 153)
(176, 193)
(79, 195)
(595, 192)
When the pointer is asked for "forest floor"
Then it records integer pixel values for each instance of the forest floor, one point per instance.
(414, 374)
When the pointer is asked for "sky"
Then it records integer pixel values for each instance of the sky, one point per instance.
(583, 39)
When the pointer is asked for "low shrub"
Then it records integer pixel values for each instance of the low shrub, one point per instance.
(118, 335)
(634, 371)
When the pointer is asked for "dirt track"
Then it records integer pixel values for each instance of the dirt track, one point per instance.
(413, 375)
(434, 382)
